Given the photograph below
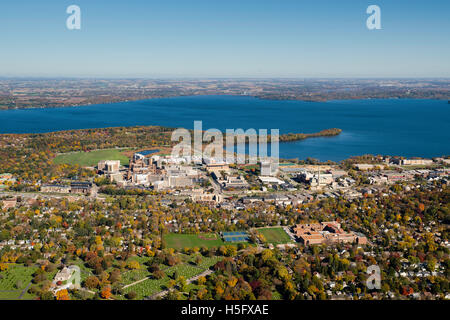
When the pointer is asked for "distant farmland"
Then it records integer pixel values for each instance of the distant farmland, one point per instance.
(90, 159)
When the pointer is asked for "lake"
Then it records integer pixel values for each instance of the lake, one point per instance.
(382, 126)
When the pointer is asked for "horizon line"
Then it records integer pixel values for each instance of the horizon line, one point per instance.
(228, 77)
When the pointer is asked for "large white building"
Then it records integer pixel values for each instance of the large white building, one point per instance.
(412, 162)
(109, 166)
(315, 179)
(269, 168)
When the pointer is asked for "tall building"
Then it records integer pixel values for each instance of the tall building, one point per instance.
(268, 168)
(109, 166)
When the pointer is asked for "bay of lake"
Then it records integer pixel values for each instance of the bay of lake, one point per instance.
(381, 126)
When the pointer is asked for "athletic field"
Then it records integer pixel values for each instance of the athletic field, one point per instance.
(275, 235)
(91, 159)
(180, 241)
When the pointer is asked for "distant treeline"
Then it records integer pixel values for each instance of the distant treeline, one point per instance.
(300, 136)
(288, 137)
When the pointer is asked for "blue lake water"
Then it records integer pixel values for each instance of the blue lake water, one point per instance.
(386, 127)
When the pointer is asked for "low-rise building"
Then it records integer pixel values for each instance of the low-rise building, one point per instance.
(270, 180)
(207, 198)
(81, 187)
(394, 176)
(234, 182)
(8, 203)
(315, 179)
(211, 167)
(67, 278)
(318, 233)
(412, 162)
(55, 188)
(367, 166)
(6, 177)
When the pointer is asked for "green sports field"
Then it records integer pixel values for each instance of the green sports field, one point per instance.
(180, 241)
(91, 159)
(275, 235)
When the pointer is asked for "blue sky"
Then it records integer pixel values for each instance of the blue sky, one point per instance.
(245, 38)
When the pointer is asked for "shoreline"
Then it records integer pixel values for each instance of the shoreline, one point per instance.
(221, 94)
(129, 150)
(290, 117)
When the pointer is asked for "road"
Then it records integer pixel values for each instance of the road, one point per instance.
(215, 185)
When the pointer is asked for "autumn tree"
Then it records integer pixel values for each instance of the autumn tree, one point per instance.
(92, 282)
(106, 292)
(62, 295)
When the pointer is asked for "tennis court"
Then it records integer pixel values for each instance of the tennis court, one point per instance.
(235, 236)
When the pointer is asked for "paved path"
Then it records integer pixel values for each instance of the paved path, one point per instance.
(203, 274)
(87, 290)
(139, 281)
(24, 291)
(190, 280)
(136, 282)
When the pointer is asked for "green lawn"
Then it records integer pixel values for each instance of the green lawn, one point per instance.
(148, 287)
(151, 286)
(275, 235)
(185, 270)
(91, 159)
(141, 260)
(9, 295)
(276, 296)
(206, 262)
(180, 241)
(85, 271)
(14, 281)
(134, 275)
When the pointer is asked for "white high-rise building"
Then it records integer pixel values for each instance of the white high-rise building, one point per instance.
(269, 168)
